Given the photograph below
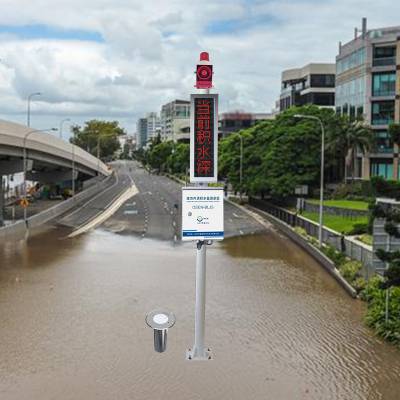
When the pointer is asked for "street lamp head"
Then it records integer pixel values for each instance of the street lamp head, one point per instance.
(298, 116)
(53, 129)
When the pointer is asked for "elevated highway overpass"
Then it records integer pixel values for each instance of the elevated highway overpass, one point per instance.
(49, 158)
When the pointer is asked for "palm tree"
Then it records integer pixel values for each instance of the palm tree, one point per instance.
(359, 137)
(347, 138)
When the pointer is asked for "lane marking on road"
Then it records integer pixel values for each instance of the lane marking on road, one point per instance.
(130, 212)
(93, 198)
(108, 212)
(237, 216)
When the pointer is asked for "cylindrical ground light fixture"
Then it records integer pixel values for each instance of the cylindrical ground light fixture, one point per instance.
(160, 321)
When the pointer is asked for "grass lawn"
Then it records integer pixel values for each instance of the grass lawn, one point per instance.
(350, 204)
(335, 222)
(367, 239)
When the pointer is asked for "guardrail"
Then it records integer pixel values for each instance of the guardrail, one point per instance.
(350, 247)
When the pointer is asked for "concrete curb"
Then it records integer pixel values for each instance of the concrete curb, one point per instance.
(111, 209)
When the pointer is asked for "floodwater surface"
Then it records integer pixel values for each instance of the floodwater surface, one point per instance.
(73, 323)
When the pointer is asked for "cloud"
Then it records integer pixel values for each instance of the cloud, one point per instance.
(149, 50)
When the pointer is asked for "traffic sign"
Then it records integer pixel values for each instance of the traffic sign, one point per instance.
(24, 202)
(202, 213)
(204, 138)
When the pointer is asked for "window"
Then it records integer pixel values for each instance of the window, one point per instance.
(383, 142)
(319, 99)
(351, 93)
(353, 60)
(382, 112)
(384, 56)
(322, 80)
(383, 168)
(384, 84)
(352, 113)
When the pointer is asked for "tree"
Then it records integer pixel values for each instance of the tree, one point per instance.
(178, 160)
(158, 154)
(278, 155)
(394, 132)
(348, 138)
(103, 132)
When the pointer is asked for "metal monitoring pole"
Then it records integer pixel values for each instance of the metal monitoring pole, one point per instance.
(204, 153)
(199, 350)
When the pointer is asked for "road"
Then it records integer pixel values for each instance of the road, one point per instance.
(73, 314)
(155, 211)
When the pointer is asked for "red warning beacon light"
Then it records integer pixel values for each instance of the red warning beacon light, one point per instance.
(204, 72)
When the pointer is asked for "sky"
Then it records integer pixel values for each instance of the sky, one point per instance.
(119, 59)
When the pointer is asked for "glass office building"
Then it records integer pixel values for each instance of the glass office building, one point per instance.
(367, 75)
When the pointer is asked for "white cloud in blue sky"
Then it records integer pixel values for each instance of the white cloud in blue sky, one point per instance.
(122, 58)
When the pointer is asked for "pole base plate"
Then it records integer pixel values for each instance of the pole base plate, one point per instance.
(191, 356)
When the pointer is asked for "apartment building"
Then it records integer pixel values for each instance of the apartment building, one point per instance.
(147, 128)
(141, 133)
(175, 121)
(368, 86)
(153, 125)
(311, 84)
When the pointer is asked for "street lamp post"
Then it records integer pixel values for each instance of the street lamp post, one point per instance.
(241, 165)
(61, 126)
(73, 163)
(25, 161)
(321, 196)
(28, 117)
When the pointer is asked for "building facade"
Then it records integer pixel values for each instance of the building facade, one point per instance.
(236, 121)
(368, 87)
(147, 129)
(311, 84)
(153, 125)
(175, 121)
(141, 133)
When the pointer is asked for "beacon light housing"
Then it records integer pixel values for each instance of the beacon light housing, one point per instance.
(160, 321)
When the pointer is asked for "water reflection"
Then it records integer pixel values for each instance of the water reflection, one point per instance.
(280, 327)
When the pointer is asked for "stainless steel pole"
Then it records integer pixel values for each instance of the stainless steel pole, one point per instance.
(321, 199)
(198, 349)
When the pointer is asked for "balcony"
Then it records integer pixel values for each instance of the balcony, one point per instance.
(382, 150)
(383, 92)
(382, 121)
(383, 61)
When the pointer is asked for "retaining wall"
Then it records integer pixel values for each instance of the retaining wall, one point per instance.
(355, 250)
(313, 251)
(19, 228)
(343, 212)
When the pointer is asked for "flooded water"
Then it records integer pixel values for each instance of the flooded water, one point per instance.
(72, 323)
